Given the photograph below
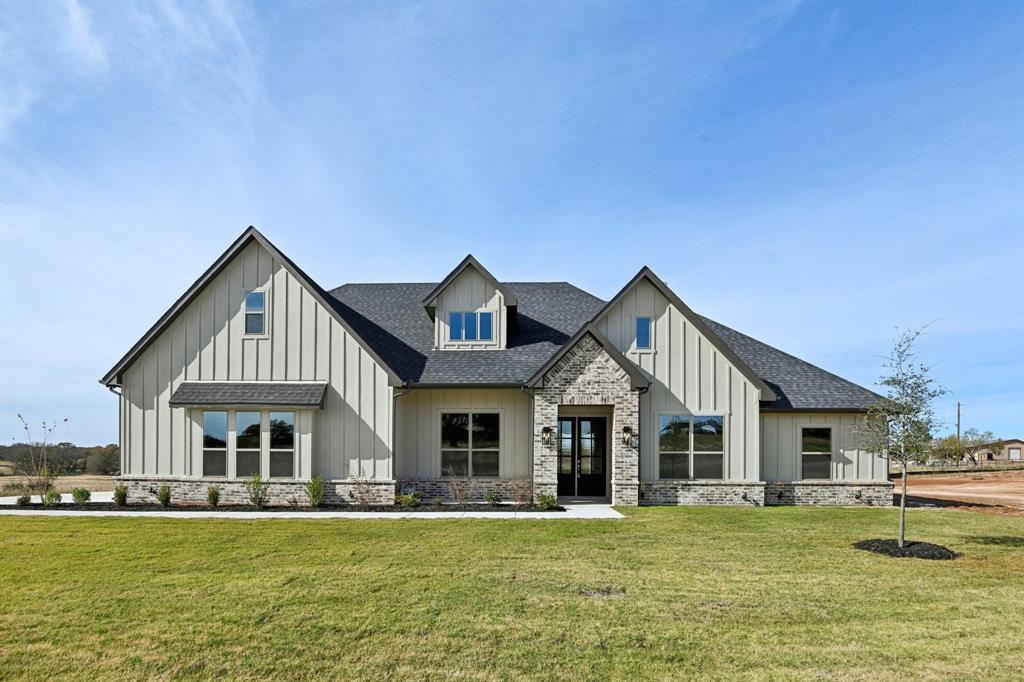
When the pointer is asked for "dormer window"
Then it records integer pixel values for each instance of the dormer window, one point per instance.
(466, 326)
(255, 312)
(643, 333)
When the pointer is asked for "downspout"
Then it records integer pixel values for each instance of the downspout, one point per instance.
(404, 390)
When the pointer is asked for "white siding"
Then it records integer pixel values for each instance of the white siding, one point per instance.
(780, 445)
(691, 377)
(351, 435)
(418, 454)
(470, 292)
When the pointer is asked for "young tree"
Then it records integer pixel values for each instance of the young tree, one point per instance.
(973, 442)
(35, 466)
(900, 427)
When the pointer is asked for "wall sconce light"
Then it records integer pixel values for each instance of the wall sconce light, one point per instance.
(627, 435)
(547, 436)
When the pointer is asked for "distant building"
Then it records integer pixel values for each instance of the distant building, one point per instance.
(1010, 451)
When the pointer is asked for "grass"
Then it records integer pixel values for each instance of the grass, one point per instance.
(726, 593)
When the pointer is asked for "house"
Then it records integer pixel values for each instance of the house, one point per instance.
(1008, 450)
(257, 369)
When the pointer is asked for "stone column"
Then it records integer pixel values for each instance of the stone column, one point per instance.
(545, 457)
(626, 457)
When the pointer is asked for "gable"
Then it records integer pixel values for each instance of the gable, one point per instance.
(687, 357)
(214, 307)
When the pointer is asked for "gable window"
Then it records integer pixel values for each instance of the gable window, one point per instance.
(470, 444)
(643, 332)
(470, 326)
(485, 326)
(247, 444)
(816, 452)
(255, 312)
(282, 444)
(691, 447)
(215, 443)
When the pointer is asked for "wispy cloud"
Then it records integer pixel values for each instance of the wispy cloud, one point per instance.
(193, 55)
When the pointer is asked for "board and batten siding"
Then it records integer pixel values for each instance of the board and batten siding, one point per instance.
(349, 437)
(418, 452)
(691, 377)
(470, 292)
(780, 446)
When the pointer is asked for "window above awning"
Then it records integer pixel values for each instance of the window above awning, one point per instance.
(309, 394)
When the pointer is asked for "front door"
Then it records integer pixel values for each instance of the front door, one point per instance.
(582, 460)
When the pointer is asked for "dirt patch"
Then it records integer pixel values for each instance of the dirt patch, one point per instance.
(915, 550)
(999, 492)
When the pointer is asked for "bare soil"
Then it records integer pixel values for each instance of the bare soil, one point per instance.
(998, 492)
(915, 550)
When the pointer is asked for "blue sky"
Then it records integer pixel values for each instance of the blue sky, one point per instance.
(815, 175)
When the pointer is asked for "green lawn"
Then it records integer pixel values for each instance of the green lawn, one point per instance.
(667, 593)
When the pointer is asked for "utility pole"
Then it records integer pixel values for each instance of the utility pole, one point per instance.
(958, 423)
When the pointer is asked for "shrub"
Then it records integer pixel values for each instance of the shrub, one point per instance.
(24, 500)
(315, 491)
(546, 501)
(121, 495)
(80, 495)
(412, 499)
(492, 497)
(213, 495)
(51, 498)
(163, 495)
(258, 490)
(460, 490)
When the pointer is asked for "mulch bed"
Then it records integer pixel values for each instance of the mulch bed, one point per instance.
(915, 550)
(110, 506)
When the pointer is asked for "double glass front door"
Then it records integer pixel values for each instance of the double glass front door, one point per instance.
(582, 456)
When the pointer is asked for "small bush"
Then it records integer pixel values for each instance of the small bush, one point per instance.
(163, 496)
(315, 491)
(51, 498)
(258, 490)
(121, 495)
(362, 492)
(412, 499)
(546, 501)
(213, 495)
(492, 497)
(438, 501)
(24, 500)
(80, 495)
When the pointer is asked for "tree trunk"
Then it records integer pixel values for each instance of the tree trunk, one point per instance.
(903, 503)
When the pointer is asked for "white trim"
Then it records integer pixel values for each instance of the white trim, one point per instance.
(798, 443)
(265, 290)
(656, 442)
(469, 450)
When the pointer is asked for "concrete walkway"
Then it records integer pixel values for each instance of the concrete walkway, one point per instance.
(572, 512)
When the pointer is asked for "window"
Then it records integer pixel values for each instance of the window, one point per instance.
(255, 307)
(485, 326)
(471, 326)
(215, 443)
(816, 452)
(1014, 454)
(282, 444)
(643, 332)
(247, 444)
(470, 443)
(691, 447)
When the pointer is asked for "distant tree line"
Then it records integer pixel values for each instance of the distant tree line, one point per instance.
(67, 458)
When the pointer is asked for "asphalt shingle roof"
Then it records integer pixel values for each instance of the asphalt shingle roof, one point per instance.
(392, 319)
(221, 393)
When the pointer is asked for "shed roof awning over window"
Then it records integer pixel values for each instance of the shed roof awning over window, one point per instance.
(249, 393)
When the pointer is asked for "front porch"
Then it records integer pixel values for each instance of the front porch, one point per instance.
(585, 420)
